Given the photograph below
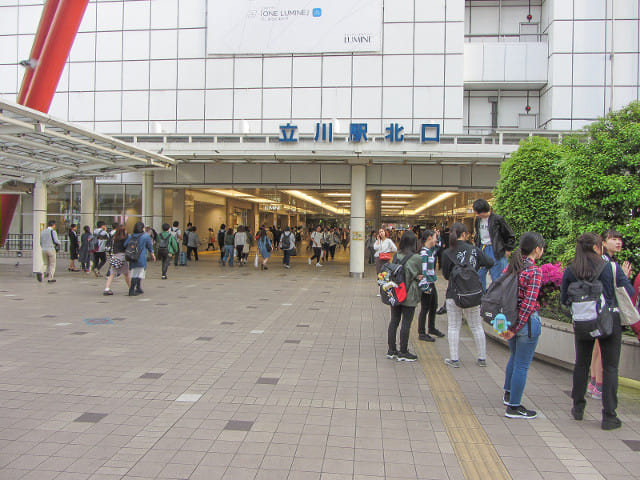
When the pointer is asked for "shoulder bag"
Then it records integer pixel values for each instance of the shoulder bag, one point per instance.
(628, 313)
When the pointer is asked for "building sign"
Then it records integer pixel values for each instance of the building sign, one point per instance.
(429, 132)
(291, 26)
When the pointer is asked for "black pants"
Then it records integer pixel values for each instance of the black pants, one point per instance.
(195, 253)
(286, 260)
(239, 249)
(317, 251)
(610, 349)
(332, 251)
(166, 259)
(404, 313)
(99, 259)
(428, 305)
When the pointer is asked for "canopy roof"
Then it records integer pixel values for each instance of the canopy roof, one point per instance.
(37, 147)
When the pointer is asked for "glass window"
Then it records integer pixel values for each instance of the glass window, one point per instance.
(133, 200)
(110, 199)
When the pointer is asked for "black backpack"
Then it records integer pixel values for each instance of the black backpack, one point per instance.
(501, 297)
(393, 290)
(132, 252)
(163, 242)
(286, 241)
(465, 283)
(589, 310)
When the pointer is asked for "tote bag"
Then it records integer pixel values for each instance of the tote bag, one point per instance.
(628, 313)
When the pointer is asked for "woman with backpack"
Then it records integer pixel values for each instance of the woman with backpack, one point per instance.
(523, 335)
(405, 310)
(287, 245)
(459, 262)
(119, 265)
(428, 292)
(85, 254)
(140, 243)
(264, 247)
(589, 266)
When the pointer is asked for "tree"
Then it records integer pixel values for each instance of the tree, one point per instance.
(527, 192)
(602, 184)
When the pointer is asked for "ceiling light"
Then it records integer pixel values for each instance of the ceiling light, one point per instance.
(431, 203)
(399, 195)
(394, 202)
(343, 201)
(315, 201)
(338, 194)
(231, 193)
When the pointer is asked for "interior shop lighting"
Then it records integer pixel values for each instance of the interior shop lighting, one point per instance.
(338, 194)
(431, 203)
(231, 193)
(394, 202)
(398, 195)
(314, 201)
(343, 201)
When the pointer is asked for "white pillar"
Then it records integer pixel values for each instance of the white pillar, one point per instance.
(358, 202)
(147, 198)
(39, 222)
(158, 209)
(178, 207)
(87, 203)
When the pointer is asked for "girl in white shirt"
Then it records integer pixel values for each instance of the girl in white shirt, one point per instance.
(384, 248)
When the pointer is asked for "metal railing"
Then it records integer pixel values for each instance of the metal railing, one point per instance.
(23, 244)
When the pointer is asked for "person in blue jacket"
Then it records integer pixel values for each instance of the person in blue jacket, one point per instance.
(138, 267)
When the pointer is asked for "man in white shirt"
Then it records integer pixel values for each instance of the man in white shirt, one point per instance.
(316, 244)
(50, 244)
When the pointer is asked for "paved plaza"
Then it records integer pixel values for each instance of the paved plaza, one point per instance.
(236, 373)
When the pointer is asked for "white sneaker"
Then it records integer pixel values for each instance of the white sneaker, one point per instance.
(318, 264)
(309, 261)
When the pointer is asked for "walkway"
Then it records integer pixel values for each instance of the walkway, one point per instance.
(239, 374)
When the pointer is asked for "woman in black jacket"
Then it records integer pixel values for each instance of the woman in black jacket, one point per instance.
(74, 246)
(588, 261)
(85, 254)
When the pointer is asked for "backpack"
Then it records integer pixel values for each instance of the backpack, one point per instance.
(132, 251)
(298, 237)
(393, 290)
(286, 241)
(465, 283)
(185, 238)
(163, 242)
(501, 297)
(589, 311)
(93, 244)
(108, 244)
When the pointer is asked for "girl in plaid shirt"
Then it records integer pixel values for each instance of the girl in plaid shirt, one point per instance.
(523, 336)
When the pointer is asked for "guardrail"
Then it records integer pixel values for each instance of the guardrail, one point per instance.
(18, 244)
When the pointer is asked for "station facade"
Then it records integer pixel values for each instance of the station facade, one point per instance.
(274, 118)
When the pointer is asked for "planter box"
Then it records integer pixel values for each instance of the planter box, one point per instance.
(556, 346)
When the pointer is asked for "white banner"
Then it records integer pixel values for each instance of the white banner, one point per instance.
(293, 26)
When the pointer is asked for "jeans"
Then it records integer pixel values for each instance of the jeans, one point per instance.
(405, 313)
(287, 257)
(610, 350)
(228, 254)
(496, 271)
(428, 305)
(522, 349)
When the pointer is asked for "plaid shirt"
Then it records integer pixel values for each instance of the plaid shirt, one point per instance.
(529, 285)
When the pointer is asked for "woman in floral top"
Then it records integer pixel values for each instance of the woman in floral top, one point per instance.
(523, 336)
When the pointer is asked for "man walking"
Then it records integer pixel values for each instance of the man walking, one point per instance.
(50, 245)
(176, 233)
(493, 235)
(100, 255)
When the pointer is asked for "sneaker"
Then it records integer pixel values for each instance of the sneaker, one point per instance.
(108, 292)
(590, 387)
(164, 277)
(287, 266)
(426, 337)
(577, 414)
(452, 363)
(406, 357)
(436, 333)
(39, 276)
(392, 353)
(519, 412)
(506, 397)
(318, 264)
(481, 362)
(309, 261)
(596, 394)
(51, 280)
(442, 310)
(611, 423)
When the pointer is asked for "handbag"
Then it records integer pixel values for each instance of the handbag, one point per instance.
(55, 245)
(628, 313)
(386, 256)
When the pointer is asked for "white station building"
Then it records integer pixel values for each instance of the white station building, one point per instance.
(353, 113)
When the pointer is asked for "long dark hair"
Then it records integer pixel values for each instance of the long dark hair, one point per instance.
(121, 233)
(408, 243)
(262, 234)
(529, 241)
(587, 261)
(138, 227)
(457, 229)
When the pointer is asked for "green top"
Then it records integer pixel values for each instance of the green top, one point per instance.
(412, 269)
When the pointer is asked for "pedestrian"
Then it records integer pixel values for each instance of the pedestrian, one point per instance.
(239, 241)
(327, 237)
(118, 263)
(185, 240)
(461, 253)
(138, 267)
(316, 242)
(287, 245)
(221, 234)
(384, 249)
(404, 311)
(427, 286)
(101, 238)
(523, 336)
(168, 246)
(587, 263)
(264, 247)
(249, 243)
(85, 254)
(193, 243)
(227, 240)
(369, 250)
(212, 239)
(74, 247)
(494, 236)
(176, 233)
(334, 241)
(50, 246)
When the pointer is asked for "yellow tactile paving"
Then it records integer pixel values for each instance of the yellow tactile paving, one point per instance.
(476, 454)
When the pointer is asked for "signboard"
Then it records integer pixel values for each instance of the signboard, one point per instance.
(292, 26)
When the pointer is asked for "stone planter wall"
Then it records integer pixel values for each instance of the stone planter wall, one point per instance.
(556, 346)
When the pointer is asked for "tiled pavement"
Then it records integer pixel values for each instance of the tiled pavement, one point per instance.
(240, 374)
